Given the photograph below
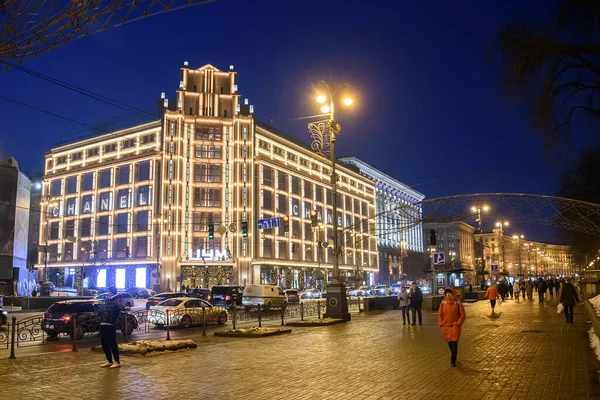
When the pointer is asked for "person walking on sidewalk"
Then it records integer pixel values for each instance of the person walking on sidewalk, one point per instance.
(529, 290)
(541, 287)
(404, 305)
(451, 317)
(492, 294)
(415, 298)
(569, 299)
(522, 287)
(516, 291)
(108, 331)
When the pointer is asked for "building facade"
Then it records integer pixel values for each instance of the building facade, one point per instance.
(134, 207)
(15, 189)
(456, 241)
(398, 224)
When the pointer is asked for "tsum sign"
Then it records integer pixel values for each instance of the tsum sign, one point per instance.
(208, 255)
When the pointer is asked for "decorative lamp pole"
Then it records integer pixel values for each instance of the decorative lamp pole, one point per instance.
(324, 135)
(478, 208)
(518, 238)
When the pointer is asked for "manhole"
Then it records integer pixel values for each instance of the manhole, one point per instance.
(533, 331)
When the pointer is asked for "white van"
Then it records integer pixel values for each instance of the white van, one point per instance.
(264, 295)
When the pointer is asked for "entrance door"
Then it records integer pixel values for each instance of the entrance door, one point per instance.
(120, 278)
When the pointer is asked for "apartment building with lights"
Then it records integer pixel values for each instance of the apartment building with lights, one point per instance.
(398, 223)
(132, 207)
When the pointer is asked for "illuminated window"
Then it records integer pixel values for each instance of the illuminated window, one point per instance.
(122, 223)
(105, 178)
(124, 171)
(86, 227)
(72, 184)
(124, 199)
(87, 182)
(110, 148)
(141, 247)
(144, 171)
(101, 279)
(144, 196)
(140, 277)
(120, 278)
(71, 207)
(142, 221)
(105, 201)
(56, 187)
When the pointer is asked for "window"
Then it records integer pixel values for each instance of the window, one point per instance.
(296, 229)
(267, 176)
(268, 248)
(77, 156)
(71, 207)
(120, 278)
(142, 221)
(308, 234)
(144, 196)
(140, 276)
(103, 249)
(61, 160)
(295, 189)
(144, 171)
(110, 148)
(207, 173)
(282, 204)
(141, 247)
(101, 279)
(129, 143)
(196, 222)
(121, 249)
(70, 229)
(308, 190)
(68, 251)
(148, 138)
(348, 205)
(102, 225)
(281, 180)
(92, 152)
(267, 200)
(124, 199)
(122, 221)
(87, 181)
(208, 133)
(71, 185)
(105, 178)
(124, 171)
(56, 187)
(283, 250)
(319, 194)
(87, 204)
(86, 227)
(105, 201)
(204, 197)
(208, 152)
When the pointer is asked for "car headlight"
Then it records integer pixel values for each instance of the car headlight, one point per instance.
(4, 312)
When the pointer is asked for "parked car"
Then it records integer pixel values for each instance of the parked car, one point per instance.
(200, 293)
(264, 295)
(396, 288)
(381, 290)
(226, 295)
(58, 318)
(310, 294)
(185, 312)
(351, 292)
(364, 291)
(127, 298)
(3, 314)
(154, 300)
(324, 293)
(292, 295)
(141, 293)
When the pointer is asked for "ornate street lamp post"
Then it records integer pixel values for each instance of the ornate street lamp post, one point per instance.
(478, 208)
(324, 134)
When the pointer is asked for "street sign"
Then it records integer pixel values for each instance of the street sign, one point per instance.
(268, 223)
(438, 258)
(232, 227)
(221, 230)
(494, 267)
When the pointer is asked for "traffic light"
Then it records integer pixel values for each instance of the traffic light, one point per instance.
(313, 218)
(432, 238)
(286, 223)
(244, 229)
(211, 231)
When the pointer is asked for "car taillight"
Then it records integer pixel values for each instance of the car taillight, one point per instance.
(227, 298)
(65, 318)
(208, 297)
(149, 312)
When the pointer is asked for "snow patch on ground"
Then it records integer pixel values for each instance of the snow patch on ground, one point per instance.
(256, 330)
(594, 342)
(596, 303)
(146, 346)
(318, 321)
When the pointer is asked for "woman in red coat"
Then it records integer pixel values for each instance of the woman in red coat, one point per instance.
(451, 316)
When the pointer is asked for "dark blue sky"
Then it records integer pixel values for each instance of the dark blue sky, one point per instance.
(430, 111)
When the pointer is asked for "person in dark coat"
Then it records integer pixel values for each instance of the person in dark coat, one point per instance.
(108, 330)
(415, 299)
(541, 287)
(569, 298)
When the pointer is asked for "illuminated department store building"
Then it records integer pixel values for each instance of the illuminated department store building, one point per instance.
(132, 208)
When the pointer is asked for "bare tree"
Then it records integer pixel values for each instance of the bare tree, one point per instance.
(554, 69)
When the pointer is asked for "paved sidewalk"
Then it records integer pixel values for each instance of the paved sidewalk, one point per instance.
(524, 352)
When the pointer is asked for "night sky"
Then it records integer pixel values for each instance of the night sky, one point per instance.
(430, 106)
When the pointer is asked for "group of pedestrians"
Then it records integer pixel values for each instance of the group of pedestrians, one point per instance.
(411, 300)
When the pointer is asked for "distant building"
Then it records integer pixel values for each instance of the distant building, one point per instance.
(35, 208)
(15, 190)
(456, 241)
(398, 224)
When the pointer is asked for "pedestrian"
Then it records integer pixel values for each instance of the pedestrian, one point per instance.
(541, 290)
(522, 287)
(569, 299)
(415, 298)
(516, 291)
(529, 290)
(492, 294)
(108, 332)
(511, 290)
(550, 286)
(451, 317)
(404, 305)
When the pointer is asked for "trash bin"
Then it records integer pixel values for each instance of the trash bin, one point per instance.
(45, 289)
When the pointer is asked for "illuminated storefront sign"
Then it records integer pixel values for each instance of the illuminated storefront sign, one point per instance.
(208, 255)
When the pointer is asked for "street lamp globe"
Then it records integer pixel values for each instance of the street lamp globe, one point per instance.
(485, 207)
(325, 109)
(348, 101)
(474, 209)
(321, 99)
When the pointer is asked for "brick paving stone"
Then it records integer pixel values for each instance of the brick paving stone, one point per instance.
(523, 352)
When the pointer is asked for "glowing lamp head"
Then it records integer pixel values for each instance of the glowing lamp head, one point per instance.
(313, 213)
(325, 109)
(286, 218)
(348, 101)
(474, 209)
(485, 208)
(321, 99)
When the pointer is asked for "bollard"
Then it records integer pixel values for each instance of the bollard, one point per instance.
(282, 314)
(319, 308)
(259, 320)
(74, 348)
(125, 326)
(301, 311)
(12, 338)
(234, 317)
(168, 328)
(203, 321)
